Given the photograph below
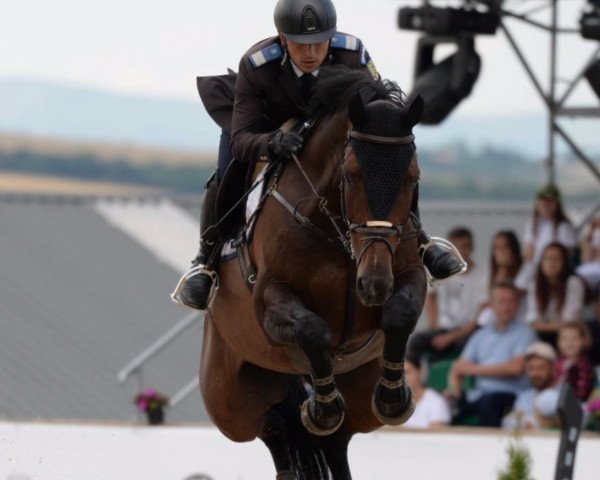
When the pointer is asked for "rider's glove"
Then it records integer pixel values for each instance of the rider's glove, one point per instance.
(285, 144)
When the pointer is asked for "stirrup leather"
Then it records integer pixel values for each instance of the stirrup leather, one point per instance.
(192, 272)
(450, 248)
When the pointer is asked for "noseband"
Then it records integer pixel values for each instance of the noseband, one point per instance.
(377, 230)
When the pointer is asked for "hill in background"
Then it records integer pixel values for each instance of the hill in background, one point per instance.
(52, 109)
(453, 171)
(93, 135)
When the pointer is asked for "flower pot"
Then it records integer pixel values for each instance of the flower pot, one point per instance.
(156, 416)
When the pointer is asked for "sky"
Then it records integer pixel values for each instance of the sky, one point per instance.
(158, 47)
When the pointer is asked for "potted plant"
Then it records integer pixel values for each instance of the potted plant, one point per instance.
(152, 403)
(593, 410)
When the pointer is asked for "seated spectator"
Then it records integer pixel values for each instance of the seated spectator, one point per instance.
(452, 307)
(536, 407)
(548, 224)
(589, 269)
(505, 257)
(573, 365)
(431, 409)
(557, 294)
(505, 263)
(594, 327)
(494, 356)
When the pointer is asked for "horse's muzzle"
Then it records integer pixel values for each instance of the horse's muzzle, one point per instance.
(374, 290)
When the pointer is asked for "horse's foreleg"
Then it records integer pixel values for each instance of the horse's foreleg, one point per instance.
(288, 321)
(393, 401)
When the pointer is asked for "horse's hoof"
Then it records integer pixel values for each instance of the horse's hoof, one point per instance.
(310, 424)
(394, 416)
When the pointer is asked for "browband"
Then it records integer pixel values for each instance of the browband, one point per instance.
(384, 140)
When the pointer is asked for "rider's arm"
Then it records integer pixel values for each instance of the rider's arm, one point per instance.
(247, 144)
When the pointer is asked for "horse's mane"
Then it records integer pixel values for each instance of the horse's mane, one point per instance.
(337, 84)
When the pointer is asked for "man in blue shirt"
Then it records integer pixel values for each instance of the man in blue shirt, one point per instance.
(495, 357)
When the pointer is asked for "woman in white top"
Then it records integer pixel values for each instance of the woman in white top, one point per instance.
(431, 409)
(557, 294)
(548, 224)
(589, 269)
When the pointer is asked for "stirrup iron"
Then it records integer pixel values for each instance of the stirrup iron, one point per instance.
(449, 247)
(192, 272)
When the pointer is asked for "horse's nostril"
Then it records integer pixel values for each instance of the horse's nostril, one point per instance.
(360, 286)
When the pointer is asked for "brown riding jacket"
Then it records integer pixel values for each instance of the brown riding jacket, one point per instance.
(267, 92)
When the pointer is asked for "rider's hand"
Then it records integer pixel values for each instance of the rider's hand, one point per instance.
(285, 144)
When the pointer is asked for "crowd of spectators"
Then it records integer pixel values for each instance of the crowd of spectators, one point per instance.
(513, 332)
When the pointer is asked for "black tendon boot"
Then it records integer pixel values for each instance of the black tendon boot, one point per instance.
(439, 256)
(199, 280)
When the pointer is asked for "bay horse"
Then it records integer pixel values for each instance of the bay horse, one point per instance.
(314, 352)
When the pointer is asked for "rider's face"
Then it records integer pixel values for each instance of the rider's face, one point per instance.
(307, 57)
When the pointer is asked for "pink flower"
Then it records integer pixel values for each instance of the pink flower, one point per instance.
(593, 406)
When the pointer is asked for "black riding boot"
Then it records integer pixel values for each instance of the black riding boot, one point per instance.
(196, 290)
(440, 262)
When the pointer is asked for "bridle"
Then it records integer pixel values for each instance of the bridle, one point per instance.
(374, 231)
(371, 231)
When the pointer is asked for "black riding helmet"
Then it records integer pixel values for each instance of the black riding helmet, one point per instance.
(306, 21)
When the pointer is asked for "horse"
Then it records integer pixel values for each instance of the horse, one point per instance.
(313, 352)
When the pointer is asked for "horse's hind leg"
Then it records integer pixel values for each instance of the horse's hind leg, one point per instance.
(288, 321)
(335, 448)
(393, 402)
(296, 452)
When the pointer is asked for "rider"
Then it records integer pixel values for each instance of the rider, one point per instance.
(274, 83)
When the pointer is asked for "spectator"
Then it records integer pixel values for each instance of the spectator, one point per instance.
(573, 365)
(431, 409)
(453, 306)
(589, 269)
(494, 356)
(556, 296)
(536, 406)
(594, 327)
(505, 257)
(505, 263)
(548, 224)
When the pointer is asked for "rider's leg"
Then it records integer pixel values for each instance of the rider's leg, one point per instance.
(440, 262)
(196, 290)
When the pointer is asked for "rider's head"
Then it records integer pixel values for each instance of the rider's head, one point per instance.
(305, 28)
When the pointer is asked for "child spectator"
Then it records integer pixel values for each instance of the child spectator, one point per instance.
(548, 224)
(494, 356)
(573, 365)
(536, 406)
(431, 409)
(453, 306)
(556, 296)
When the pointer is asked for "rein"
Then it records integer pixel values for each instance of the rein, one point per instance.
(373, 231)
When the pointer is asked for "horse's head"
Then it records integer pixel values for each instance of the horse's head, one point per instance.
(379, 174)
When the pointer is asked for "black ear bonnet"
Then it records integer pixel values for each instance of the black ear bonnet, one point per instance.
(383, 166)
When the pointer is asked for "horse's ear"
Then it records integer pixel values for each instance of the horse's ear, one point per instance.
(415, 111)
(356, 110)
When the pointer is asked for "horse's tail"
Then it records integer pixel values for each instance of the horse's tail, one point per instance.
(306, 454)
